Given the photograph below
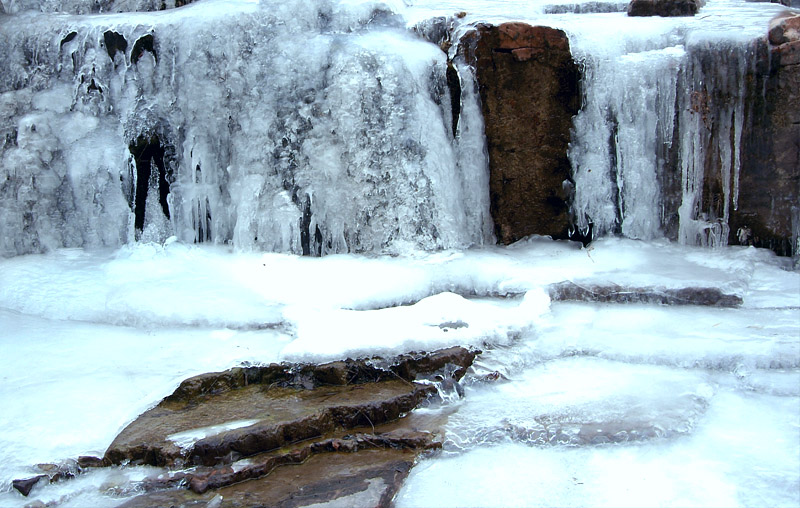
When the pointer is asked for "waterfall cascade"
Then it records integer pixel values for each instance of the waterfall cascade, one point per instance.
(323, 127)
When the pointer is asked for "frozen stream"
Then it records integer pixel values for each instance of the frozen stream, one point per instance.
(636, 405)
(324, 127)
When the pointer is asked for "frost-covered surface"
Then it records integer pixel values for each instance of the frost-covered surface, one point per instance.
(93, 338)
(305, 127)
(662, 97)
(325, 126)
(88, 6)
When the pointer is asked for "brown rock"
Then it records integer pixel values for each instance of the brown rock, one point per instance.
(664, 8)
(787, 53)
(528, 85)
(768, 212)
(412, 365)
(370, 477)
(286, 403)
(784, 28)
(25, 485)
(712, 297)
(85, 461)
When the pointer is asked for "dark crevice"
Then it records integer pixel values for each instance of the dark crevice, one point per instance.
(454, 84)
(69, 37)
(148, 152)
(305, 224)
(114, 43)
(144, 43)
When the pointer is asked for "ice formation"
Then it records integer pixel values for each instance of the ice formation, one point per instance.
(307, 127)
(325, 127)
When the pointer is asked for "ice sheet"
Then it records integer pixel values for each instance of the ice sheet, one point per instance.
(90, 339)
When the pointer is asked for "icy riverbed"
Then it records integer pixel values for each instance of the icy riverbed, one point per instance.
(639, 405)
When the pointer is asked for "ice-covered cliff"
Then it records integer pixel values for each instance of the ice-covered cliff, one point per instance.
(304, 127)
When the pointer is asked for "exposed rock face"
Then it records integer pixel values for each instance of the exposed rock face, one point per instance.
(665, 8)
(769, 198)
(528, 85)
(25, 485)
(712, 297)
(342, 424)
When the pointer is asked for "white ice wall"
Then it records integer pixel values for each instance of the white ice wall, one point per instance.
(307, 126)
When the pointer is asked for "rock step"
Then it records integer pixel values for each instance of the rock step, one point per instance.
(219, 418)
(309, 376)
(370, 477)
(571, 291)
(200, 480)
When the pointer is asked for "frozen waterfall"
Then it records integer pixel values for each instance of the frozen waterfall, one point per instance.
(307, 128)
(317, 127)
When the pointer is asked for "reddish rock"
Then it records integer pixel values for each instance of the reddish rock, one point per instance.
(784, 28)
(528, 85)
(664, 8)
(25, 485)
(768, 214)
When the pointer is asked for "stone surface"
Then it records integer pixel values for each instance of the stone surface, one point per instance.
(280, 416)
(784, 28)
(365, 479)
(768, 214)
(310, 434)
(616, 294)
(246, 411)
(665, 8)
(25, 485)
(528, 85)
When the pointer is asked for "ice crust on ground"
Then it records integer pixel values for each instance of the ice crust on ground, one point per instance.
(94, 338)
(186, 439)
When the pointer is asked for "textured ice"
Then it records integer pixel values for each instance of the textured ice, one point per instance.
(305, 127)
(606, 403)
(94, 338)
(323, 127)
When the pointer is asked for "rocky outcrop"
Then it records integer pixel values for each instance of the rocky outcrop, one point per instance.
(768, 213)
(221, 417)
(664, 8)
(713, 297)
(528, 85)
(345, 426)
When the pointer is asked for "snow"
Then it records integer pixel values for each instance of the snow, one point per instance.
(92, 338)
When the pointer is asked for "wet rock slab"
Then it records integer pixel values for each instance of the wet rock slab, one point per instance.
(368, 478)
(713, 297)
(289, 435)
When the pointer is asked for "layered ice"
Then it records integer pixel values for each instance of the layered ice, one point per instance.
(308, 127)
(644, 385)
